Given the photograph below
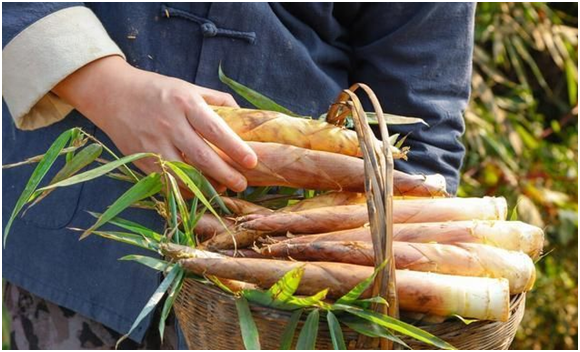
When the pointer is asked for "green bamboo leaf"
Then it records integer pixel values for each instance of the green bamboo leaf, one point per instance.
(37, 175)
(193, 188)
(129, 238)
(98, 171)
(132, 226)
(85, 157)
(76, 137)
(290, 330)
(396, 325)
(204, 185)
(359, 289)
(310, 301)
(247, 325)
(253, 97)
(392, 119)
(183, 211)
(146, 187)
(309, 332)
(465, 321)
(154, 300)
(153, 263)
(365, 303)
(367, 328)
(265, 299)
(171, 296)
(335, 332)
(287, 285)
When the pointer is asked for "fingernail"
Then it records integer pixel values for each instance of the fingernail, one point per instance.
(250, 161)
(240, 185)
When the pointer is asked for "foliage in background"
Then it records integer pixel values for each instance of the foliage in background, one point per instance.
(522, 143)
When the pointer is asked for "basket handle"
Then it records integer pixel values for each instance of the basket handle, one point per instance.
(379, 170)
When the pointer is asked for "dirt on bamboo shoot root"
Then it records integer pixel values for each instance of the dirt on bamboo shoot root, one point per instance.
(463, 259)
(430, 293)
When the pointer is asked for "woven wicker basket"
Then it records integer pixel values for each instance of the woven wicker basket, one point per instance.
(209, 320)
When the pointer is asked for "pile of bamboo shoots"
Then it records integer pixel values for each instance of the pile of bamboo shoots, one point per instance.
(452, 255)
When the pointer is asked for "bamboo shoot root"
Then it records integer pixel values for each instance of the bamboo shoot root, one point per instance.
(430, 293)
(461, 259)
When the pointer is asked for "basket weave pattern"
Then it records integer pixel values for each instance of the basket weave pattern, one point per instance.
(209, 320)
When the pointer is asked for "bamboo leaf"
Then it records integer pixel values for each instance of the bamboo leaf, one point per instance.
(153, 301)
(183, 211)
(173, 292)
(85, 157)
(98, 171)
(392, 119)
(367, 328)
(465, 321)
(129, 238)
(359, 289)
(290, 330)
(247, 325)
(153, 263)
(265, 299)
(146, 187)
(193, 188)
(309, 332)
(204, 185)
(365, 303)
(253, 97)
(287, 285)
(335, 332)
(396, 325)
(314, 300)
(37, 175)
(132, 226)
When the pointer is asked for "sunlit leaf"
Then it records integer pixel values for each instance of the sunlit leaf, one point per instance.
(284, 288)
(359, 289)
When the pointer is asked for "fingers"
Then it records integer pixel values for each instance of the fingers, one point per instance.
(202, 156)
(214, 97)
(213, 128)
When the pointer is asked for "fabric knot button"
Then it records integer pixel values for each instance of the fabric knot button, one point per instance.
(209, 29)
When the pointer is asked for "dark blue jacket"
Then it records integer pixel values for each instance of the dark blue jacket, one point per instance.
(416, 57)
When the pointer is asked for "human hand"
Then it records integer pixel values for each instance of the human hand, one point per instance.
(143, 111)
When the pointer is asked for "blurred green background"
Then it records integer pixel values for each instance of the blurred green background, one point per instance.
(522, 143)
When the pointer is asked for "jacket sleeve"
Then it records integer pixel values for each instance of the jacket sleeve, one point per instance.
(43, 43)
(417, 59)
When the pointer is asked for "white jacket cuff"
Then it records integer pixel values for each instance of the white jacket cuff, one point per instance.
(45, 53)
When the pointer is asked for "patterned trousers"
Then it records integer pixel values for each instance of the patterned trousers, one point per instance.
(39, 324)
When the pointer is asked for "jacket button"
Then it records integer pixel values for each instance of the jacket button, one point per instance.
(209, 30)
